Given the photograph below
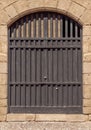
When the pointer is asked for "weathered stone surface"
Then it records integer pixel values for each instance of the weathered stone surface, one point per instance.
(87, 110)
(45, 125)
(3, 30)
(87, 102)
(21, 6)
(61, 117)
(3, 102)
(2, 118)
(90, 117)
(76, 9)
(3, 44)
(51, 3)
(86, 30)
(3, 91)
(10, 9)
(87, 91)
(63, 4)
(20, 117)
(87, 57)
(86, 67)
(86, 17)
(84, 3)
(86, 43)
(3, 78)
(3, 57)
(3, 67)
(3, 110)
(6, 3)
(86, 78)
(4, 18)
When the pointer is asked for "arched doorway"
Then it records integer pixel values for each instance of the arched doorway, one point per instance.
(45, 64)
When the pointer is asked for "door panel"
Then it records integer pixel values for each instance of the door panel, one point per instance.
(45, 64)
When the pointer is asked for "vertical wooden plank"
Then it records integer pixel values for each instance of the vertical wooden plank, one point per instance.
(18, 100)
(70, 66)
(18, 64)
(55, 65)
(75, 64)
(71, 29)
(65, 63)
(27, 95)
(29, 26)
(50, 65)
(66, 28)
(23, 64)
(79, 65)
(51, 26)
(75, 95)
(60, 62)
(28, 59)
(34, 26)
(76, 30)
(12, 95)
(38, 68)
(38, 95)
(60, 96)
(45, 27)
(65, 91)
(42, 26)
(56, 27)
(39, 26)
(70, 93)
(61, 27)
(55, 89)
(79, 95)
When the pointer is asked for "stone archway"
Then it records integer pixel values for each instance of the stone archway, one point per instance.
(79, 10)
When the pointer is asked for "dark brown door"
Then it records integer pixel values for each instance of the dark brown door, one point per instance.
(45, 64)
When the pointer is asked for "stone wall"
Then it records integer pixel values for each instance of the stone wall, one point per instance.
(79, 10)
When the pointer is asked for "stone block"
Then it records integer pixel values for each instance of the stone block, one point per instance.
(3, 57)
(4, 17)
(87, 102)
(86, 43)
(87, 57)
(87, 67)
(3, 102)
(86, 17)
(61, 117)
(20, 117)
(84, 3)
(3, 79)
(3, 91)
(87, 91)
(86, 110)
(10, 9)
(87, 30)
(63, 5)
(3, 110)
(21, 6)
(2, 118)
(3, 30)
(87, 79)
(3, 67)
(76, 9)
(51, 3)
